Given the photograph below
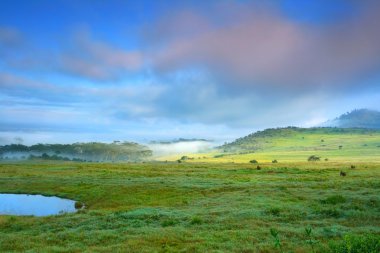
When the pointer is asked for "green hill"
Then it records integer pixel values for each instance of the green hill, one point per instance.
(297, 144)
(299, 138)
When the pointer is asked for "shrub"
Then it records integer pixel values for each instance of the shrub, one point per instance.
(352, 166)
(196, 221)
(309, 240)
(372, 202)
(275, 211)
(78, 205)
(368, 243)
(168, 222)
(253, 161)
(331, 213)
(334, 199)
(258, 167)
(276, 238)
(313, 158)
(274, 161)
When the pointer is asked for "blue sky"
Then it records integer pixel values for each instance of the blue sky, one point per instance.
(158, 70)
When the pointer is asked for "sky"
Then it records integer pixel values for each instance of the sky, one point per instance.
(95, 70)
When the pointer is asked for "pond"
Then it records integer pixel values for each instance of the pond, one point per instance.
(37, 205)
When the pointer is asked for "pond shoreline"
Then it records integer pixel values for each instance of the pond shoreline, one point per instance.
(25, 204)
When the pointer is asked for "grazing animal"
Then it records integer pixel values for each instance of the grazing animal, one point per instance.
(343, 174)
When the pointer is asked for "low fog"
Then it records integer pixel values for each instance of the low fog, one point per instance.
(180, 147)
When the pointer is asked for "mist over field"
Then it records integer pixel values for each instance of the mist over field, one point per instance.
(180, 147)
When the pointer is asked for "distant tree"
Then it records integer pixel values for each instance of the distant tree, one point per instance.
(93, 151)
(274, 161)
(253, 161)
(313, 158)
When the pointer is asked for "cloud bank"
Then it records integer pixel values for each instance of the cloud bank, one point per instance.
(217, 70)
(262, 46)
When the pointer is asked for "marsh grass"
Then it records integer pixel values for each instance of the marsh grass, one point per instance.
(276, 239)
(195, 207)
(334, 199)
(368, 243)
(309, 239)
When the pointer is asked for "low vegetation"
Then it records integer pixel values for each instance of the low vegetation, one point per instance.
(313, 158)
(196, 207)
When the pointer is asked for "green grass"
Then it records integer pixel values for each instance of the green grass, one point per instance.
(197, 207)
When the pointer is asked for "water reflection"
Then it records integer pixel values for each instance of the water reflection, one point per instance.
(37, 205)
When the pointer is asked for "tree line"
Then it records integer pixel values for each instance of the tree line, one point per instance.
(92, 151)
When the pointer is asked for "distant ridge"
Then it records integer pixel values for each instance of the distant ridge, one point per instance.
(359, 118)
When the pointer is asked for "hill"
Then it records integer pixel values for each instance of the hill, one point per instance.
(297, 144)
(360, 118)
(293, 138)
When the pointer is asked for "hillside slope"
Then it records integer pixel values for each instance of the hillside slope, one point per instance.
(296, 144)
(296, 138)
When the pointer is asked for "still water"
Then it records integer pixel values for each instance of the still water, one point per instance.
(37, 205)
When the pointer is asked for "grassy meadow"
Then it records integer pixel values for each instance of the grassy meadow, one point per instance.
(211, 204)
(190, 207)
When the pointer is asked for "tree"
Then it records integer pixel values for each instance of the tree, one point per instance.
(313, 158)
